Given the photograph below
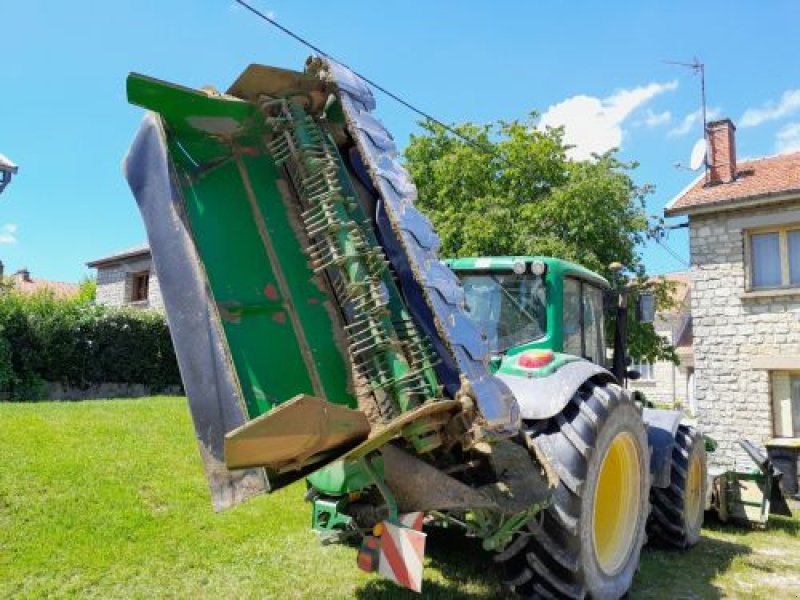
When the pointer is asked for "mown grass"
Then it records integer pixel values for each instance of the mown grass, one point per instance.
(107, 499)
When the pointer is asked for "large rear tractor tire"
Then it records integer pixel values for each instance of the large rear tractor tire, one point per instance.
(588, 541)
(677, 510)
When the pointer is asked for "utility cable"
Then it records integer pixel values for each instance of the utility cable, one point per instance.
(672, 253)
(657, 234)
(475, 144)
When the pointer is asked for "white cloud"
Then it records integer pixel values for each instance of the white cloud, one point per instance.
(594, 125)
(691, 120)
(788, 104)
(654, 119)
(8, 234)
(788, 138)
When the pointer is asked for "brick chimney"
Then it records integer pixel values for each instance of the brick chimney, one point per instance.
(22, 275)
(721, 151)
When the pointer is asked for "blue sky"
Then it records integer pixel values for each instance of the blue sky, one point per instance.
(596, 67)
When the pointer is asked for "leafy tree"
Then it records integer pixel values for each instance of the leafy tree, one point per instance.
(514, 191)
(87, 289)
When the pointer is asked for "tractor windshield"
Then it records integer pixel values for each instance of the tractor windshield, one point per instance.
(509, 309)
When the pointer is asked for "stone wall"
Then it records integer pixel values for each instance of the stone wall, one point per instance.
(115, 282)
(103, 391)
(739, 336)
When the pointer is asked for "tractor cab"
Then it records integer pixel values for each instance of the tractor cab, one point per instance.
(528, 303)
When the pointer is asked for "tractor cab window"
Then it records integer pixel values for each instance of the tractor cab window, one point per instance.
(509, 309)
(583, 321)
(573, 334)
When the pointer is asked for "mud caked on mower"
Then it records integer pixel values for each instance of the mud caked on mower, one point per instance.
(320, 336)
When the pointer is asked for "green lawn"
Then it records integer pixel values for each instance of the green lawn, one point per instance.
(107, 499)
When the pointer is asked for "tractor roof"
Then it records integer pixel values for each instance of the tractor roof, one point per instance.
(501, 263)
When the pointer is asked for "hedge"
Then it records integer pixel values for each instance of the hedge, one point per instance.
(78, 344)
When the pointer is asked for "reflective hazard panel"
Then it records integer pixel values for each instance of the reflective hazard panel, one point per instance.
(412, 520)
(401, 555)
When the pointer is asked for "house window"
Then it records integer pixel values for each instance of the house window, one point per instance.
(140, 284)
(775, 258)
(645, 369)
(786, 403)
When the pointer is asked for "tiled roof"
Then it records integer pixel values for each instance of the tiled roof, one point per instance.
(756, 179)
(683, 281)
(30, 286)
(140, 250)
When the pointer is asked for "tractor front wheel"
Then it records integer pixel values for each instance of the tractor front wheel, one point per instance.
(588, 542)
(678, 510)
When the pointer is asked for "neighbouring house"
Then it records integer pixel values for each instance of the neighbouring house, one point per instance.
(663, 382)
(127, 278)
(744, 238)
(23, 282)
(7, 170)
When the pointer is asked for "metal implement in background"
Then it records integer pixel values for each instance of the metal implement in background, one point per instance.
(749, 497)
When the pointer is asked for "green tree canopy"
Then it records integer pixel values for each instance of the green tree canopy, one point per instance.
(514, 191)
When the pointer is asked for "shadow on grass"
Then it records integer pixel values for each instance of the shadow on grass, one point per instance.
(668, 573)
(787, 525)
(459, 568)
(467, 572)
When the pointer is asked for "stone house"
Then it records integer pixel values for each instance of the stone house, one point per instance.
(127, 278)
(7, 170)
(663, 382)
(744, 238)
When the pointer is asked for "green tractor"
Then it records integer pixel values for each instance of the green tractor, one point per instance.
(320, 336)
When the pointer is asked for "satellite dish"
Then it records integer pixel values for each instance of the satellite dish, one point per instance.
(698, 157)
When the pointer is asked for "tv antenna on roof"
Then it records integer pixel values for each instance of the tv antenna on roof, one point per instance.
(699, 151)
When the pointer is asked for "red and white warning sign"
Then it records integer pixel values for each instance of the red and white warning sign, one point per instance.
(402, 552)
(413, 520)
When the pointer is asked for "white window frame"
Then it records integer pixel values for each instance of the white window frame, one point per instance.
(785, 417)
(794, 402)
(647, 371)
(783, 247)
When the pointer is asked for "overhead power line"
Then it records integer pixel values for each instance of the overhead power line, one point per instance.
(672, 252)
(475, 144)
(371, 82)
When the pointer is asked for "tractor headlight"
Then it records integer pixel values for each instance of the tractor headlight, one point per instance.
(518, 267)
(538, 268)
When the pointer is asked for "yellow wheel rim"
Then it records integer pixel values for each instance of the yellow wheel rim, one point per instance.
(694, 500)
(616, 504)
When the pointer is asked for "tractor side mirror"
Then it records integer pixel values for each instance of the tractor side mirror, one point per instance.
(632, 374)
(646, 308)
